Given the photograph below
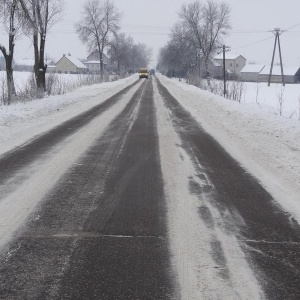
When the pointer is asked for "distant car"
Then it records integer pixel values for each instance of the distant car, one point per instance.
(143, 73)
(152, 72)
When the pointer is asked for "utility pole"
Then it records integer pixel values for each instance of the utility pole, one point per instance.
(224, 49)
(199, 61)
(277, 33)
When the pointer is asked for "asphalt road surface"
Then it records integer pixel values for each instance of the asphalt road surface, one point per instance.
(98, 226)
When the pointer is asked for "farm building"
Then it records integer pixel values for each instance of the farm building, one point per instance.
(94, 66)
(291, 74)
(234, 63)
(250, 72)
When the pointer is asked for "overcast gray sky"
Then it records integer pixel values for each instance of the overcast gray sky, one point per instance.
(150, 21)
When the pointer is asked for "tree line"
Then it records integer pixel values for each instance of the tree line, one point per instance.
(99, 28)
(195, 38)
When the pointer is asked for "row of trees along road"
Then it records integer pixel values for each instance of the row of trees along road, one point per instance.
(196, 36)
(98, 29)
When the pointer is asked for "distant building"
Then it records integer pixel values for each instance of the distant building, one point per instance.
(251, 72)
(95, 56)
(94, 66)
(215, 69)
(70, 64)
(93, 62)
(51, 68)
(234, 63)
(291, 74)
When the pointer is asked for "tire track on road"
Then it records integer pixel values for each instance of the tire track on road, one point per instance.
(100, 233)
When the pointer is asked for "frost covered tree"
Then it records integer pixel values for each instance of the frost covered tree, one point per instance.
(39, 16)
(9, 18)
(119, 51)
(195, 37)
(208, 24)
(179, 55)
(100, 20)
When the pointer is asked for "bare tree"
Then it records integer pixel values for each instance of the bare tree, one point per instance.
(141, 55)
(208, 24)
(119, 50)
(9, 17)
(280, 98)
(100, 19)
(40, 16)
(179, 56)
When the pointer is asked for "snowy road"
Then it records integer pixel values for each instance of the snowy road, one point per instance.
(132, 199)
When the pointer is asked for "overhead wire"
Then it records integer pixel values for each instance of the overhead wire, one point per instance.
(260, 41)
(291, 27)
(248, 45)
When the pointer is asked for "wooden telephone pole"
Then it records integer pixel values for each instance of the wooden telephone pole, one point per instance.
(224, 49)
(277, 33)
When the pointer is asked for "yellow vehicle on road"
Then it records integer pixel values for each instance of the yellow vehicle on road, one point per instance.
(144, 73)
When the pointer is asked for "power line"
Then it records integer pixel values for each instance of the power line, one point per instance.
(249, 31)
(144, 26)
(254, 43)
(291, 27)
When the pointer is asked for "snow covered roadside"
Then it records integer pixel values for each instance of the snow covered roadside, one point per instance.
(22, 121)
(267, 145)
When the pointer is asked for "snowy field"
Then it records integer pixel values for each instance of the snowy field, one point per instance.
(268, 97)
(22, 78)
(266, 144)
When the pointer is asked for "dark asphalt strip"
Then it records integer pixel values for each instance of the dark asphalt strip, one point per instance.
(11, 162)
(101, 233)
(270, 237)
(132, 205)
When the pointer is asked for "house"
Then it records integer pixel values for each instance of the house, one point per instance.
(51, 68)
(93, 66)
(95, 55)
(291, 74)
(215, 69)
(93, 62)
(70, 64)
(250, 72)
(234, 63)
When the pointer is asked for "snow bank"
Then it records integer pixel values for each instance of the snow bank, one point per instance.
(22, 121)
